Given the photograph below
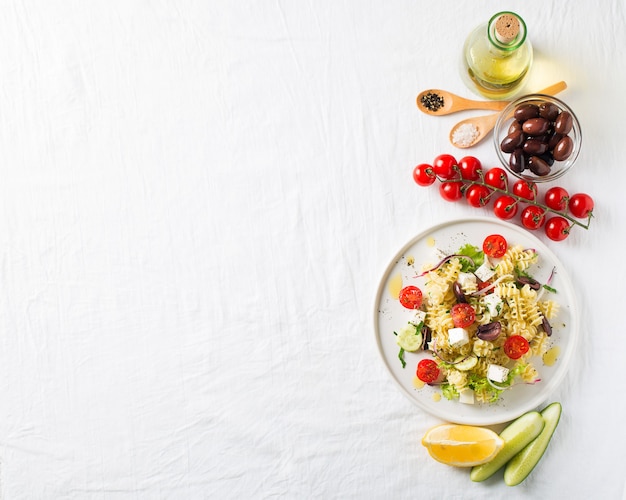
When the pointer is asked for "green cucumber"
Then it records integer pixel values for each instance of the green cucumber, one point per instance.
(516, 436)
(524, 462)
(465, 363)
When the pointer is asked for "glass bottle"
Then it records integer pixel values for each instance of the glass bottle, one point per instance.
(497, 56)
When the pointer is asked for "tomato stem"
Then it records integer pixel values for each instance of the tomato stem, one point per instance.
(545, 208)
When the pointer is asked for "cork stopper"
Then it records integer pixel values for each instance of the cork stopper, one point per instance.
(507, 28)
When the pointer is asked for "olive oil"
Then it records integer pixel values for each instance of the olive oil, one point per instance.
(497, 56)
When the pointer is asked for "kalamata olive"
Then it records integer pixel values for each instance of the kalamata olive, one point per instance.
(525, 112)
(554, 140)
(512, 141)
(517, 161)
(527, 280)
(458, 292)
(538, 167)
(536, 126)
(563, 149)
(514, 127)
(548, 158)
(547, 327)
(564, 123)
(549, 111)
(534, 147)
(490, 331)
(427, 335)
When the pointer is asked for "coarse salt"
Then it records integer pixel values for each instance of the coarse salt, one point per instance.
(465, 135)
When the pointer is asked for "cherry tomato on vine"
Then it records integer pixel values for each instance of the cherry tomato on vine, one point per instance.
(496, 177)
(557, 228)
(463, 315)
(516, 346)
(477, 195)
(451, 191)
(495, 245)
(556, 198)
(505, 207)
(581, 205)
(525, 189)
(444, 166)
(424, 174)
(533, 217)
(410, 297)
(471, 168)
(427, 371)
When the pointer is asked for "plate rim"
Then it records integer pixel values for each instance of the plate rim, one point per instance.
(534, 402)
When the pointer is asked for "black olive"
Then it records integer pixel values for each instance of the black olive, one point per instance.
(490, 331)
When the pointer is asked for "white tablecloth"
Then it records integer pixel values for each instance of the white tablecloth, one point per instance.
(197, 203)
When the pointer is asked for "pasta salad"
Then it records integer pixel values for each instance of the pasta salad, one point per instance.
(482, 318)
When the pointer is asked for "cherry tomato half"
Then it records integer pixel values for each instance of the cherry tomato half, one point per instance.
(451, 190)
(477, 195)
(557, 228)
(556, 198)
(581, 205)
(424, 174)
(444, 166)
(533, 217)
(410, 297)
(471, 168)
(463, 315)
(516, 346)
(525, 189)
(496, 177)
(427, 371)
(505, 207)
(495, 245)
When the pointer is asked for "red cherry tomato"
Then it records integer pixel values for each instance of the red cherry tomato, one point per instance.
(496, 177)
(427, 371)
(505, 207)
(424, 175)
(477, 195)
(557, 228)
(485, 284)
(525, 189)
(533, 217)
(463, 315)
(444, 166)
(451, 190)
(516, 346)
(495, 245)
(471, 168)
(410, 297)
(581, 205)
(556, 198)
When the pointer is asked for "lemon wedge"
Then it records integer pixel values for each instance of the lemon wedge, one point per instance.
(462, 445)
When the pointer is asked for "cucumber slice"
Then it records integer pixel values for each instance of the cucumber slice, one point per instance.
(516, 436)
(525, 461)
(409, 338)
(464, 363)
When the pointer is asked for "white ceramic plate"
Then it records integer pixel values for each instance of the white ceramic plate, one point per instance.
(389, 315)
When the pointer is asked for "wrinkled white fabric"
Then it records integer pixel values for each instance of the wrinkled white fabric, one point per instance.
(197, 203)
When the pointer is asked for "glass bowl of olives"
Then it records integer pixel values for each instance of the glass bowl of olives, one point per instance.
(537, 138)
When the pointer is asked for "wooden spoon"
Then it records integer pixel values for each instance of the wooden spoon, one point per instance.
(476, 129)
(441, 102)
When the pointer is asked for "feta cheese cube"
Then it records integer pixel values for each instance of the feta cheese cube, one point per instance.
(418, 318)
(485, 272)
(466, 396)
(457, 337)
(493, 303)
(497, 373)
(467, 280)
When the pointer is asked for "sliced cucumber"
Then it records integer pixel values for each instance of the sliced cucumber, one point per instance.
(516, 436)
(524, 462)
(464, 363)
(409, 338)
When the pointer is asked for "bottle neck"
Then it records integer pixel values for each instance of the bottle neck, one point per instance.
(506, 31)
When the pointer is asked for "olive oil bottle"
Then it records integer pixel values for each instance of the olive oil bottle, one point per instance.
(497, 56)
